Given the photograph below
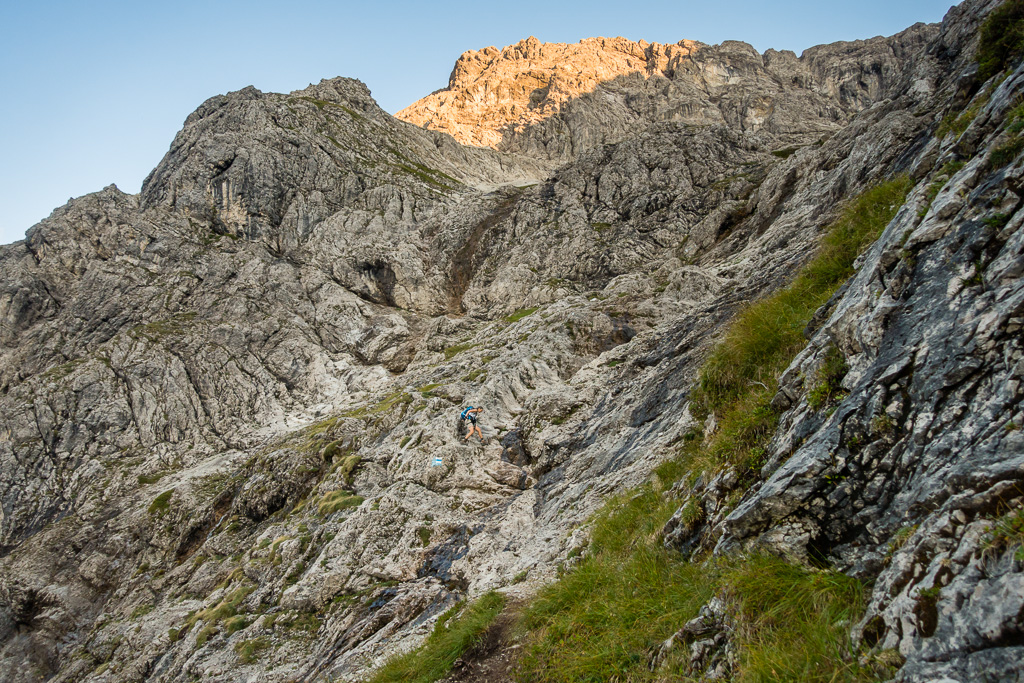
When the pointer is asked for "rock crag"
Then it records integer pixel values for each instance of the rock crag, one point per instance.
(555, 100)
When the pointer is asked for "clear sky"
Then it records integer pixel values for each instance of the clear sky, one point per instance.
(93, 93)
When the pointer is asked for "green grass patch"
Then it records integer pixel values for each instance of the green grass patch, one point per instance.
(427, 390)
(62, 371)
(145, 479)
(602, 620)
(309, 623)
(156, 331)
(794, 622)
(320, 104)
(334, 452)
(141, 611)
(320, 428)
(455, 350)
(248, 650)
(225, 609)
(556, 283)
(520, 314)
(452, 636)
(205, 634)
(740, 377)
(295, 574)
(422, 175)
(235, 623)
(597, 622)
(472, 375)
(1001, 39)
(397, 398)
(785, 153)
(332, 501)
(1006, 152)
(956, 123)
(161, 503)
(351, 112)
(346, 468)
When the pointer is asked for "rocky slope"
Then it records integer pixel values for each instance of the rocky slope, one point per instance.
(221, 400)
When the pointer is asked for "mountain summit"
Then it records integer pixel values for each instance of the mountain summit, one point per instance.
(557, 100)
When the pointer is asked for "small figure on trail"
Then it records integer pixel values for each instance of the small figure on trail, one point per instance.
(470, 413)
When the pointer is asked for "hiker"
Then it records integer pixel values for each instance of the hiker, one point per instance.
(470, 413)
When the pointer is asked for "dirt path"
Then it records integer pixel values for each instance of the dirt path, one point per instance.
(494, 658)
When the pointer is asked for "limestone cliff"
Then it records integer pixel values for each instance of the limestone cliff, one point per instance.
(221, 400)
(555, 100)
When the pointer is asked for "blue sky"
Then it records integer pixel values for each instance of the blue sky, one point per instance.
(93, 93)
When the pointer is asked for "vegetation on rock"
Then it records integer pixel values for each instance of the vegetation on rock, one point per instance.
(455, 632)
(1002, 38)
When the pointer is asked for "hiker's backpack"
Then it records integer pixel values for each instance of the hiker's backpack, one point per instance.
(459, 423)
(465, 412)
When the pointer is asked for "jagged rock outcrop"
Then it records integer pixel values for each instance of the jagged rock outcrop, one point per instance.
(491, 90)
(222, 400)
(557, 100)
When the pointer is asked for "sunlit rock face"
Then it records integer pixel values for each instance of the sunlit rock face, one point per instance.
(228, 436)
(556, 100)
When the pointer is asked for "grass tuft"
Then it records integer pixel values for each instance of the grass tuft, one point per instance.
(793, 621)
(1007, 532)
(145, 479)
(205, 634)
(520, 314)
(346, 468)
(248, 650)
(453, 351)
(332, 501)
(223, 610)
(161, 503)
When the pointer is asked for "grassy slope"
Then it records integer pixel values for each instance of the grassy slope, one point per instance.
(455, 632)
(603, 619)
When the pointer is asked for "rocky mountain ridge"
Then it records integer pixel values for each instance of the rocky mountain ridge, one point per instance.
(557, 100)
(221, 400)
